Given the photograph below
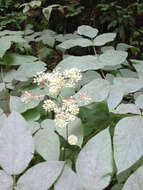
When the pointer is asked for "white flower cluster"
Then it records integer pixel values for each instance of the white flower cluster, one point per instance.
(56, 80)
(65, 113)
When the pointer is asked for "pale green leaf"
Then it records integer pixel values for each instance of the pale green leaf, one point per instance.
(16, 144)
(139, 101)
(6, 181)
(82, 42)
(2, 86)
(96, 91)
(135, 181)
(41, 176)
(94, 162)
(128, 142)
(104, 38)
(87, 31)
(68, 180)
(4, 46)
(83, 63)
(47, 144)
(127, 108)
(113, 57)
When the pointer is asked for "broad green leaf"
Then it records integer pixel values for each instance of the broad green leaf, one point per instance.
(32, 115)
(82, 42)
(5, 45)
(74, 128)
(68, 180)
(139, 101)
(107, 48)
(16, 144)
(17, 105)
(87, 31)
(96, 91)
(83, 63)
(9, 76)
(6, 181)
(115, 96)
(104, 38)
(33, 127)
(47, 144)
(10, 32)
(126, 73)
(62, 38)
(127, 108)
(117, 187)
(94, 162)
(128, 142)
(16, 59)
(41, 176)
(123, 47)
(2, 86)
(129, 84)
(135, 181)
(113, 57)
(27, 71)
(48, 124)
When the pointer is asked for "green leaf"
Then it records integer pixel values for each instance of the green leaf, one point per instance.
(16, 59)
(35, 4)
(32, 115)
(128, 142)
(16, 144)
(116, 95)
(139, 68)
(74, 128)
(47, 144)
(33, 127)
(127, 108)
(68, 180)
(83, 63)
(87, 31)
(6, 181)
(82, 42)
(96, 91)
(139, 101)
(113, 57)
(94, 162)
(40, 177)
(2, 119)
(135, 181)
(5, 45)
(17, 105)
(104, 38)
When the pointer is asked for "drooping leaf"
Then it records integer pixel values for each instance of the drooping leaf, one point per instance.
(135, 181)
(81, 42)
(113, 57)
(6, 181)
(47, 144)
(47, 11)
(96, 91)
(94, 162)
(68, 180)
(16, 144)
(128, 142)
(104, 38)
(83, 63)
(41, 176)
(87, 31)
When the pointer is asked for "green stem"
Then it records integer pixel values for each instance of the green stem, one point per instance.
(14, 182)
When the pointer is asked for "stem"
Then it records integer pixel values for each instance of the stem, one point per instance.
(14, 182)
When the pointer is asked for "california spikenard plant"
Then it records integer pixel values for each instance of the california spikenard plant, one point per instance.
(78, 127)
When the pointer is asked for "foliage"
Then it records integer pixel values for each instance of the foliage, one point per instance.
(97, 142)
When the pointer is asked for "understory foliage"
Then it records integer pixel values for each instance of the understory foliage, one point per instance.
(77, 126)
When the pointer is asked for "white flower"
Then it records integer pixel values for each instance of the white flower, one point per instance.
(49, 105)
(40, 78)
(62, 119)
(70, 105)
(72, 140)
(73, 75)
(27, 97)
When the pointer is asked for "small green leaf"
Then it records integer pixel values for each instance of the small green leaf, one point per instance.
(87, 31)
(104, 38)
